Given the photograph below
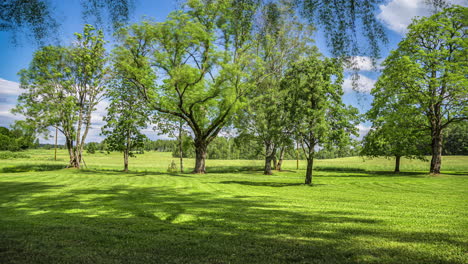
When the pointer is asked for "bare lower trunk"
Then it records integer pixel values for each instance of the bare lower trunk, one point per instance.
(269, 157)
(281, 157)
(297, 156)
(125, 153)
(273, 159)
(310, 164)
(397, 164)
(181, 152)
(436, 149)
(267, 170)
(200, 156)
(74, 162)
(71, 153)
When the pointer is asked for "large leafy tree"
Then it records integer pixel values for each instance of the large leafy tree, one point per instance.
(315, 106)
(426, 76)
(193, 66)
(126, 115)
(280, 39)
(395, 136)
(62, 88)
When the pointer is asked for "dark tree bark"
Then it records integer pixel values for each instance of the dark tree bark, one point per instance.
(310, 164)
(125, 153)
(200, 155)
(397, 164)
(270, 154)
(74, 159)
(436, 149)
(181, 151)
(281, 157)
(274, 162)
(267, 170)
(310, 154)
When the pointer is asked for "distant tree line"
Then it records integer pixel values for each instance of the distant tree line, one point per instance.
(18, 137)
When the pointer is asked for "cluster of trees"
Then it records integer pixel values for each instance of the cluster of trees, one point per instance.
(18, 137)
(247, 66)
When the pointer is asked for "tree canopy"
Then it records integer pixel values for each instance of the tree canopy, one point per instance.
(62, 88)
(425, 77)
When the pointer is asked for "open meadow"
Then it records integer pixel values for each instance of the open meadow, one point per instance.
(356, 211)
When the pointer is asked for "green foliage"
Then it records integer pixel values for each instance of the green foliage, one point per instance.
(34, 15)
(280, 40)
(320, 117)
(456, 139)
(91, 147)
(314, 105)
(12, 155)
(19, 137)
(160, 145)
(62, 88)
(172, 167)
(126, 115)
(344, 22)
(393, 133)
(424, 80)
(36, 18)
(193, 66)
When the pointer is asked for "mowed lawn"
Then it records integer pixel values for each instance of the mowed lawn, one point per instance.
(356, 212)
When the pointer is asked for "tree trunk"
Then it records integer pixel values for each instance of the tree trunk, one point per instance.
(310, 164)
(125, 160)
(181, 151)
(200, 156)
(267, 170)
(397, 164)
(274, 162)
(297, 156)
(436, 151)
(280, 162)
(71, 153)
(269, 155)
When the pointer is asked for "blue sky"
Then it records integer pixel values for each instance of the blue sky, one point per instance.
(394, 14)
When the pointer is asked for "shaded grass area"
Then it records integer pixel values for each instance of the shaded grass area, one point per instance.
(101, 215)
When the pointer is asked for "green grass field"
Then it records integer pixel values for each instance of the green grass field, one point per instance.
(356, 212)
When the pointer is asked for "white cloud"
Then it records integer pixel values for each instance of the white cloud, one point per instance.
(363, 130)
(364, 84)
(8, 92)
(363, 63)
(98, 114)
(398, 14)
(9, 88)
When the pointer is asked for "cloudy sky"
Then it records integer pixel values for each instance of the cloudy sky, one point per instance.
(396, 15)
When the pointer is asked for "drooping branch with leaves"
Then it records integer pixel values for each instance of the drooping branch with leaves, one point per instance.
(280, 40)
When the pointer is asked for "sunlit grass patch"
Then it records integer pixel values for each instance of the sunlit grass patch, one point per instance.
(356, 212)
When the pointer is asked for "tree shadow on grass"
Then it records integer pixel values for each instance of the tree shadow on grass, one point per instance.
(32, 167)
(132, 173)
(370, 174)
(125, 224)
(339, 169)
(266, 184)
(234, 169)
